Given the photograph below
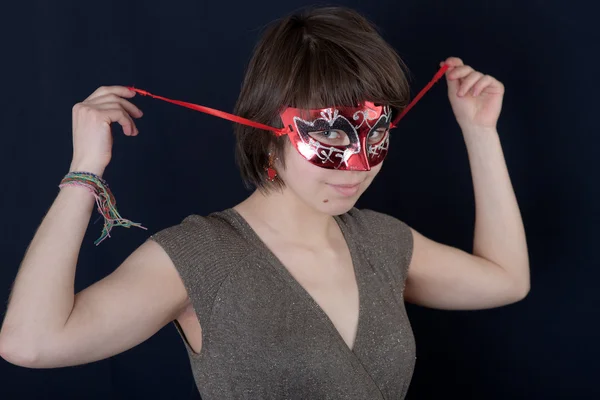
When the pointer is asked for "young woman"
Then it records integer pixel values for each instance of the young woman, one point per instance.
(293, 293)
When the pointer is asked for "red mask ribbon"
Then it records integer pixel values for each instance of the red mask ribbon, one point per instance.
(281, 131)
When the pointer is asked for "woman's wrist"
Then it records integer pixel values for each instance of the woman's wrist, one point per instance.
(85, 167)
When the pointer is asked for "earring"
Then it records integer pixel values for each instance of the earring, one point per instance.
(271, 172)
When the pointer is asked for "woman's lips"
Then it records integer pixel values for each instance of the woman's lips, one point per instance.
(346, 190)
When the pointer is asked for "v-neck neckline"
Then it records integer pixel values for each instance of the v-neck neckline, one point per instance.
(259, 243)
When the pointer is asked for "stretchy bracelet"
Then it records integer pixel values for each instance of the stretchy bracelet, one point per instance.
(104, 200)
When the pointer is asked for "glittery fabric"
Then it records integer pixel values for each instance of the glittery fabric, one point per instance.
(264, 337)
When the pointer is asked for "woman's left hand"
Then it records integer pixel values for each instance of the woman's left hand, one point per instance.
(476, 98)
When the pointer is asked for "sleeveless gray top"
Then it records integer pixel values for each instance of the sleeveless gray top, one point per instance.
(264, 336)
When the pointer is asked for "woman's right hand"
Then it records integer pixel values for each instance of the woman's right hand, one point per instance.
(92, 136)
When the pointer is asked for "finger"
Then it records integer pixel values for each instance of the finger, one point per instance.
(122, 118)
(452, 62)
(459, 72)
(468, 82)
(113, 99)
(112, 106)
(495, 86)
(482, 84)
(118, 90)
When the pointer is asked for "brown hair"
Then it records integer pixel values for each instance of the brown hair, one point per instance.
(316, 58)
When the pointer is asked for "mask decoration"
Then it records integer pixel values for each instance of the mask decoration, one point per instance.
(343, 138)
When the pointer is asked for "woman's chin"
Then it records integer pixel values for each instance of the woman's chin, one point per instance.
(337, 206)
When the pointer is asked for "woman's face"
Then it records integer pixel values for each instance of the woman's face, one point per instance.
(329, 191)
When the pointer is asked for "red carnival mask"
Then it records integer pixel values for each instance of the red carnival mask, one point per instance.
(343, 138)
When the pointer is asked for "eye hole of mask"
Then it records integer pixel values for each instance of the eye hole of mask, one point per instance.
(337, 137)
(331, 137)
(377, 136)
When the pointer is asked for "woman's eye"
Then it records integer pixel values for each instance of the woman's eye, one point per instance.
(330, 134)
(333, 137)
(377, 135)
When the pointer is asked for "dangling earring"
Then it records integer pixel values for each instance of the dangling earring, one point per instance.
(271, 172)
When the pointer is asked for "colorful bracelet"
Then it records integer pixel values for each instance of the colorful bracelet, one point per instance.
(104, 200)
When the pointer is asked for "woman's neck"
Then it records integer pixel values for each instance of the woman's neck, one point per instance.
(286, 215)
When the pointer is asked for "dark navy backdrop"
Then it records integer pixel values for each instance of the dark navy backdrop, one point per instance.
(545, 347)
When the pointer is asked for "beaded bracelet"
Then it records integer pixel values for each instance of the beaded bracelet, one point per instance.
(104, 200)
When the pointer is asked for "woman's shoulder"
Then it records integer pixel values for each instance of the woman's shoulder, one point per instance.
(205, 250)
(195, 234)
(384, 236)
(194, 224)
